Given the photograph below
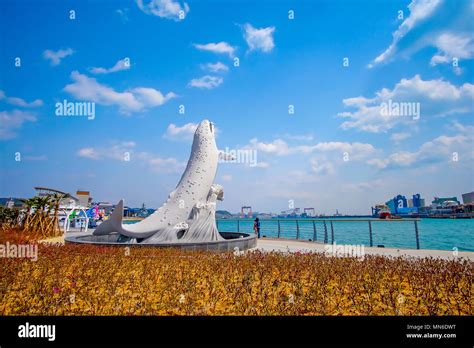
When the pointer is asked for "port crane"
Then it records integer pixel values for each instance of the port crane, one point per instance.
(246, 210)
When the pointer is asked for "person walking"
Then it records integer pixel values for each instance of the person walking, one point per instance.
(256, 227)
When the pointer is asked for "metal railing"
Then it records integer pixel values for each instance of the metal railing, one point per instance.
(310, 229)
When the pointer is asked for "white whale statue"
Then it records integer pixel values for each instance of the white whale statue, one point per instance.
(188, 216)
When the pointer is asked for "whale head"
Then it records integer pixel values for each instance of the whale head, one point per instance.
(205, 130)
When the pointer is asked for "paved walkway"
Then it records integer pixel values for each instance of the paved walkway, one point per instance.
(269, 244)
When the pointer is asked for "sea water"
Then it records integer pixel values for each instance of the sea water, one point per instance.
(441, 234)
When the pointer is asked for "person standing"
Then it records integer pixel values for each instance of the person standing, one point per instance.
(256, 227)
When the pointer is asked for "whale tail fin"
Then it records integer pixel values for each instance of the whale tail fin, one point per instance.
(113, 223)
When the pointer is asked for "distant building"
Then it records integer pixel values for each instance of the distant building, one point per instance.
(391, 205)
(396, 203)
(11, 202)
(223, 214)
(438, 201)
(400, 205)
(468, 197)
(264, 215)
(106, 207)
(84, 198)
(417, 201)
(142, 212)
(66, 200)
(127, 211)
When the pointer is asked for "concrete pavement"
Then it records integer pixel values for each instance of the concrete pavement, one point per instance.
(289, 245)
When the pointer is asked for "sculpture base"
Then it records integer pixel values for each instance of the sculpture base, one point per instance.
(242, 241)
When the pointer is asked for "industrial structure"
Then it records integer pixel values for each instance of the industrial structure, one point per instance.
(294, 212)
(468, 198)
(246, 212)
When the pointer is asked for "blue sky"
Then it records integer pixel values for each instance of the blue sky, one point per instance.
(337, 151)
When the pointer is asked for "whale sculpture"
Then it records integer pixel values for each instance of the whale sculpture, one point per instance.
(188, 216)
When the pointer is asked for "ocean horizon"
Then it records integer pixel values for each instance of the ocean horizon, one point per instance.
(439, 234)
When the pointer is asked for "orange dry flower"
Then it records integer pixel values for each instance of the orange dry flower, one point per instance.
(97, 280)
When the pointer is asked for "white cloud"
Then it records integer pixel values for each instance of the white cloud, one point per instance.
(325, 155)
(298, 137)
(125, 151)
(262, 164)
(122, 64)
(220, 47)
(398, 137)
(132, 100)
(215, 68)
(185, 132)
(89, 152)
(150, 97)
(207, 81)
(419, 11)
(169, 9)
(461, 128)
(56, 56)
(435, 98)
(36, 158)
(168, 165)
(325, 168)
(12, 121)
(226, 177)
(440, 149)
(453, 45)
(356, 150)
(123, 14)
(280, 147)
(437, 24)
(365, 185)
(160, 164)
(20, 102)
(400, 159)
(259, 39)
(114, 151)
